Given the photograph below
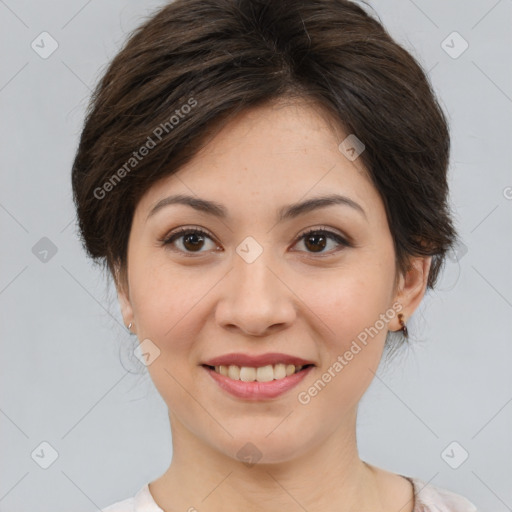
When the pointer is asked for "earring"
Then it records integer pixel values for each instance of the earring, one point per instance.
(130, 326)
(402, 323)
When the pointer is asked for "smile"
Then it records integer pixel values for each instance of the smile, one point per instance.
(258, 383)
(260, 374)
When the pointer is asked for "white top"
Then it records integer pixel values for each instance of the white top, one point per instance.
(428, 498)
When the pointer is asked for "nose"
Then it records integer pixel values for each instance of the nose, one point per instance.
(256, 298)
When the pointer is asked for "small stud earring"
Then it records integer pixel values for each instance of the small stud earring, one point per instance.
(402, 323)
(130, 326)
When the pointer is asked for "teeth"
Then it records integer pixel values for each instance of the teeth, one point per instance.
(234, 372)
(280, 371)
(247, 374)
(264, 373)
(261, 374)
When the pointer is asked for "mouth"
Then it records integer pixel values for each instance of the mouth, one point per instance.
(265, 373)
(257, 383)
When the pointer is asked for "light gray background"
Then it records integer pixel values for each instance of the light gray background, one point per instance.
(62, 336)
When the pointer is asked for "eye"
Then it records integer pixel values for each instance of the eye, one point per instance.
(316, 239)
(191, 239)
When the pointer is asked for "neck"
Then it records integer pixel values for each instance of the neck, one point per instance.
(330, 476)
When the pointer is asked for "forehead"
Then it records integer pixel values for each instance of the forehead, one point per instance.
(276, 153)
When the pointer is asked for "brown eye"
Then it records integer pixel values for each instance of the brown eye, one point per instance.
(194, 240)
(191, 240)
(316, 240)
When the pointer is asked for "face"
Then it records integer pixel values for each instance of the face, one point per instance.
(314, 283)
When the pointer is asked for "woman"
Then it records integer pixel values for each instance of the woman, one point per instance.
(266, 182)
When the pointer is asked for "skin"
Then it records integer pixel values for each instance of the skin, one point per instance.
(291, 299)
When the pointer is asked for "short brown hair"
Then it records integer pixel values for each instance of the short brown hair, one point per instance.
(218, 57)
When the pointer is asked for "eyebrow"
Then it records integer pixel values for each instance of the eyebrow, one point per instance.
(285, 213)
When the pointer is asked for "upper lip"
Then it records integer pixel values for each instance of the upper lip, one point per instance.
(239, 359)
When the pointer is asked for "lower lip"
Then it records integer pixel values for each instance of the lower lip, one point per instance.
(257, 390)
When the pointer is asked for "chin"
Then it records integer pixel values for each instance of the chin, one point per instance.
(261, 449)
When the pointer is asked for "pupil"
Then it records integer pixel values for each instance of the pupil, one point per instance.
(194, 243)
(315, 241)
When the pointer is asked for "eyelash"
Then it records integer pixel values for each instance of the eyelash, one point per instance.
(169, 239)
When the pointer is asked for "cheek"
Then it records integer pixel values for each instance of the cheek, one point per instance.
(353, 301)
(355, 313)
(169, 306)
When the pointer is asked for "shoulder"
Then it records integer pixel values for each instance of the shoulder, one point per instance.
(126, 505)
(430, 498)
(141, 502)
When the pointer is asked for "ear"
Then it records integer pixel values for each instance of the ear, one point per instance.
(123, 295)
(412, 287)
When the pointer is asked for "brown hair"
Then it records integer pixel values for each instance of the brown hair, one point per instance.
(196, 63)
